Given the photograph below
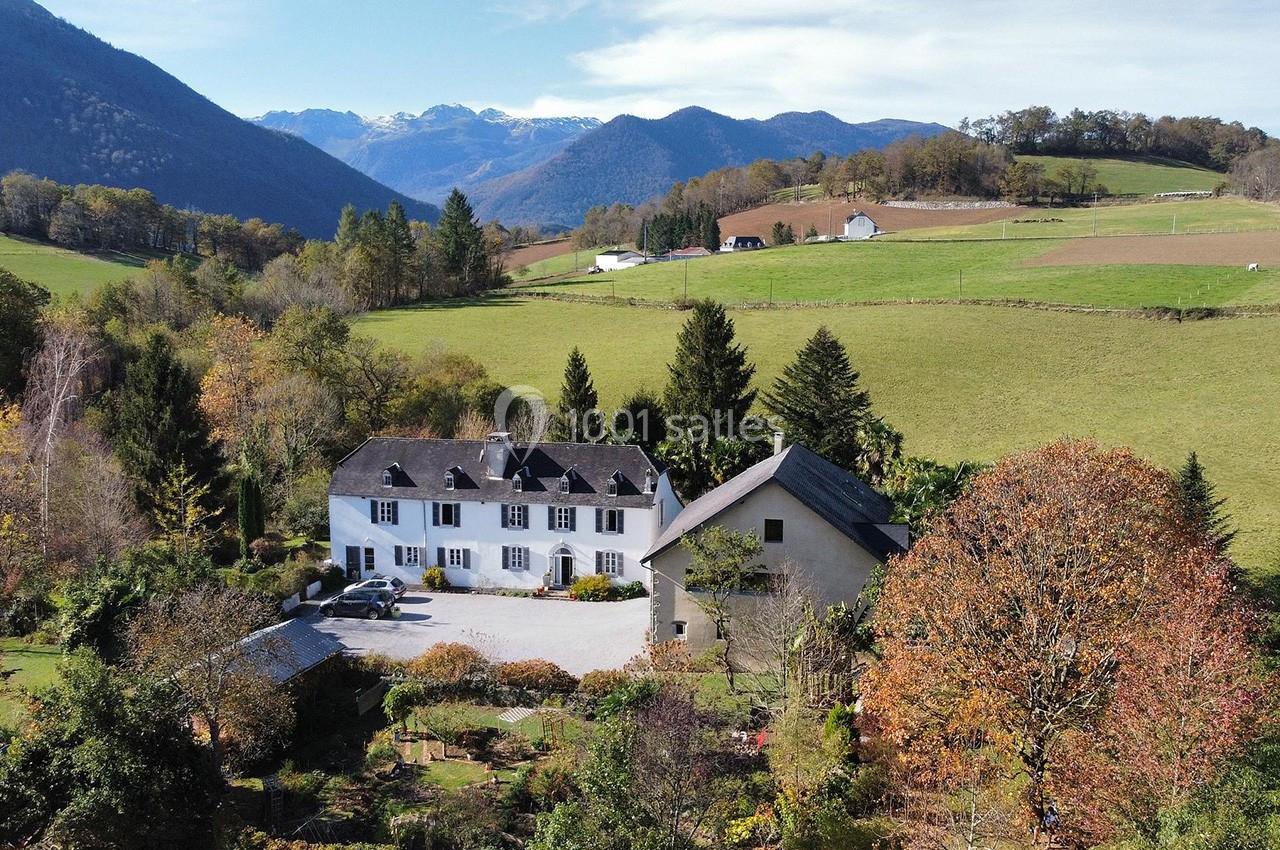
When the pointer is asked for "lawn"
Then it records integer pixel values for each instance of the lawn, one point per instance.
(1138, 175)
(63, 272)
(34, 665)
(1194, 216)
(959, 381)
(850, 272)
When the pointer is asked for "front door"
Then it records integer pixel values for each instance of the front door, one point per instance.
(353, 563)
(564, 570)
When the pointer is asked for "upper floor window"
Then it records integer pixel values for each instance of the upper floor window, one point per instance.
(517, 516)
(773, 531)
(387, 511)
(564, 519)
(609, 520)
(679, 630)
(448, 481)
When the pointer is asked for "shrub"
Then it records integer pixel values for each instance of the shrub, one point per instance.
(269, 548)
(448, 663)
(400, 701)
(511, 747)
(599, 683)
(593, 588)
(444, 722)
(632, 695)
(306, 512)
(434, 579)
(334, 578)
(379, 664)
(630, 590)
(535, 674)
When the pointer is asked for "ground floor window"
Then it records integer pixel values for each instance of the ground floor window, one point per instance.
(457, 559)
(678, 628)
(412, 556)
(516, 558)
(611, 563)
(368, 558)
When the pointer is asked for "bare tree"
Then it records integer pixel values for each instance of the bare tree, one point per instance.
(95, 515)
(55, 387)
(768, 632)
(198, 639)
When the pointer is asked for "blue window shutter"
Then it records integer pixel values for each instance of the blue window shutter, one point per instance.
(551, 517)
(435, 514)
(395, 513)
(399, 556)
(457, 514)
(599, 520)
(466, 559)
(599, 562)
(621, 514)
(373, 511)
(573, 519)
(506, 557)
(440, 556)
(503, 508)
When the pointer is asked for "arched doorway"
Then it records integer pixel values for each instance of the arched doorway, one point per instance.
(562, 567)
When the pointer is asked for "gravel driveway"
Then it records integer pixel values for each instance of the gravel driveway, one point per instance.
(579, 636)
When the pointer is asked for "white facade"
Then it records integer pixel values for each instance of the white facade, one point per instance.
(479, 550)
(859, 226)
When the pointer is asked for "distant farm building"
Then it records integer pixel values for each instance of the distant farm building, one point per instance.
(742, 243)
(686, 253)
(859, 225)
(611, 261)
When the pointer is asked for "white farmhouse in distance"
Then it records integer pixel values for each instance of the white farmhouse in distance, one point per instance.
(859, 225)
(742, 243)
(612, 261)
(494, 513)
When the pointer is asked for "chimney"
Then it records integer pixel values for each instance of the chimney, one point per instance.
(778, 443)
(497, 447)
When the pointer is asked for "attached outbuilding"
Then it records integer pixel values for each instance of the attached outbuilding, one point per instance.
(859, 225)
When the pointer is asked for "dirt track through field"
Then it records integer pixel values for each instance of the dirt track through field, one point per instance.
(759, 221)
(1194, 249)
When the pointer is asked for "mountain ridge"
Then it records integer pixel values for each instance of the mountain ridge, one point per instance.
(79, 110)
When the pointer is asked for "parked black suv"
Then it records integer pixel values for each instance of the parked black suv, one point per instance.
(370, 604)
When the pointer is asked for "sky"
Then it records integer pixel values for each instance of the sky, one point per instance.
(928, 60)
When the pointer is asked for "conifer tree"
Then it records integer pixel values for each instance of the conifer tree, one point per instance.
(156, 423)
(1203, 506)
(250, 513)
(578, 417)
(348, 228)
(460, 238)
(820, 403)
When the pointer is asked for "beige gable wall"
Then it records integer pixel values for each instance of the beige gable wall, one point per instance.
(835, 566)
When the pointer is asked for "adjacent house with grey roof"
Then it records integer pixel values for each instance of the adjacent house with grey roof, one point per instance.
(832, 527)
(497, 513)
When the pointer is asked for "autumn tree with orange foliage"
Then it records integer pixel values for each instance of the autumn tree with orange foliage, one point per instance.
(229, 390)
(1065, 635)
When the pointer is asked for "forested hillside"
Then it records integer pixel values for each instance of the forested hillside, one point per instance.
(77, 110)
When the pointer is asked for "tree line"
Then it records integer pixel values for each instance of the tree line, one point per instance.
(1203, 140)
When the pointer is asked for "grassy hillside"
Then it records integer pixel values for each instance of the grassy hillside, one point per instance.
(879, 271)
(565, 263)
(1139, 175)
(1197, 216)
(61, 271)
(959, 381)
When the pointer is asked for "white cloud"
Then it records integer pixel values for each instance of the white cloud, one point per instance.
(865, 59)
(161, 26)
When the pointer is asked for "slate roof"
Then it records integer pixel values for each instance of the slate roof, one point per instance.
(840, 498)
(289, 649)
(423, 463)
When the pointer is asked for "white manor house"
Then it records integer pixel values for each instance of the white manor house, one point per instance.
(494, 513)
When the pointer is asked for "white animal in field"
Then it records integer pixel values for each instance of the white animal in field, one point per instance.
(1252, 267)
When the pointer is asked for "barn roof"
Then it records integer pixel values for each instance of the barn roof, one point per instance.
(289, 649)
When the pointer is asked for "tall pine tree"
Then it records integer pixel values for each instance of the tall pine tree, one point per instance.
(156, 423)
(820, 403)
(460, 239)
(709, 391)
(1203, 506)
(578, 418)
(348, 228)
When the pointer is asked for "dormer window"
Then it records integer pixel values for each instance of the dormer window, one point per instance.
(448, 481)
(611, 486)
(564, 483)
(649, 480)
(517, 483)
(386, 478)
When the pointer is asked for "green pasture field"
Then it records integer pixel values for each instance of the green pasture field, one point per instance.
(562, 264)
(63, 272)
(960, 381)
(852, 272)
(1138, 175)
